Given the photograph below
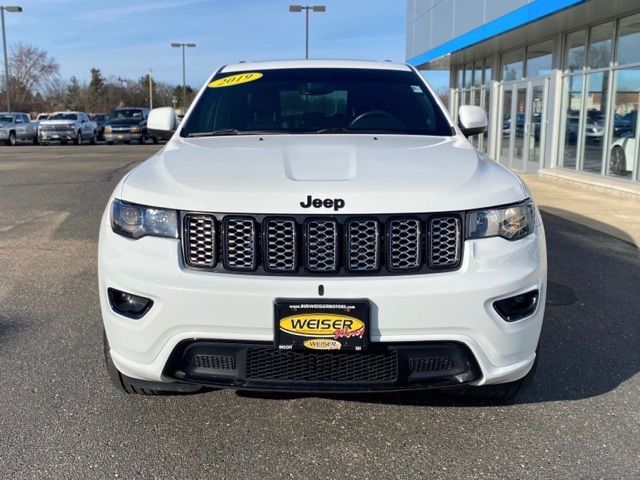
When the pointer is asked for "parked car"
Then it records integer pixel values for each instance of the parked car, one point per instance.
(622, 160)
(67, 127)
(127, 124)
(43, 116)
(101, 120)
(321, 226)
(17, 126)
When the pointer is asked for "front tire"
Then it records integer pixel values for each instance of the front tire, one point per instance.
(618, 162)
(78, 139)
(94, 139)
(497, 393)
(11, 141)
(133, 386)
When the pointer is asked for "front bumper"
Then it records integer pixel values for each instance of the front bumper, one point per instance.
(122, 136)
(48, 136)
(383, 367)
(443, 307)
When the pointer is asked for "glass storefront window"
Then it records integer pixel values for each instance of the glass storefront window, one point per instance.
(487, 72)
(507, 99)
(574, 51)
(629, 40)
(600, 45)
(571, 121)
(512, 65)
(486, 103)
(624, 133)
(594, 121)
(539, 59)
(477, 74)
(468, 76)
(459, 79)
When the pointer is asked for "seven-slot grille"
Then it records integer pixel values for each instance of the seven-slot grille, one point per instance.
(322, 245)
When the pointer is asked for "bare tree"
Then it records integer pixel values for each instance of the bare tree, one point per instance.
(32, 70)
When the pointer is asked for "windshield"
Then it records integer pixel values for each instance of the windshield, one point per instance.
(126, 114)
(6, 118)
(64, 116)
(43, 117)
(323, 100)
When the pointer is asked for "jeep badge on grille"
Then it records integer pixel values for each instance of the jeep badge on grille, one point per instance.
(335, 203)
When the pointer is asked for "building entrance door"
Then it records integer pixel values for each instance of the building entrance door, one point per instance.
(524, 113)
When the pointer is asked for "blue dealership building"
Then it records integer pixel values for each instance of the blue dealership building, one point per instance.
(559, 79)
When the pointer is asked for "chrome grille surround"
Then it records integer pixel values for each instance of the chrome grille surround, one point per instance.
(315, 245)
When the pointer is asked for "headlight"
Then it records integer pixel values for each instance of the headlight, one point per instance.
(107, 129)
(136, 221)
(512, 223)
(135, 129)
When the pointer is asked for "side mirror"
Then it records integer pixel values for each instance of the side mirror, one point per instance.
(472, 120)
(161, 120)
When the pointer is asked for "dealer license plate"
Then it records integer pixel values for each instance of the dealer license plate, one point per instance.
(337, 325)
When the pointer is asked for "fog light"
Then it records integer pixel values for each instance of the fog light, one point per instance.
(518, 307)
(128, 304)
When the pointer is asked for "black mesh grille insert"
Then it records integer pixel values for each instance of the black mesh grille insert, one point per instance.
(404, 244)
(363, 245)
(281, 248)
(431, 364)
(291, 366)
(200, 246)
(444, 233)
(216, 362)
(322, 245)
(240, 243)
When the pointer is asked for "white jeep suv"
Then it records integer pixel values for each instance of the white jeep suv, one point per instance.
(321, 226)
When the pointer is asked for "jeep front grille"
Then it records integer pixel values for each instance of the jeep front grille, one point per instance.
(315, 245)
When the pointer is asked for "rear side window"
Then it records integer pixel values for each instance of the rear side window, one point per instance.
(311, 100)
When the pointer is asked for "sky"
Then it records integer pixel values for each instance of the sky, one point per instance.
(127, 38)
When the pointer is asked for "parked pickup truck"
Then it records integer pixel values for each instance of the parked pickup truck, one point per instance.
(68, 126)
(17, 126)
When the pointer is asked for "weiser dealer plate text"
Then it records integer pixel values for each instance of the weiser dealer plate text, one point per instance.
(322, 324)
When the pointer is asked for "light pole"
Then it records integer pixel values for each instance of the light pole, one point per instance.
(7, 84)
(150, 90)
(184, 75)
(306, 8)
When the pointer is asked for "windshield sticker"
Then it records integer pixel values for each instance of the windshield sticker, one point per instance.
(416, 89)
(235, 80)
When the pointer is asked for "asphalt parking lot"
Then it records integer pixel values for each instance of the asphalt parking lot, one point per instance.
(60, 417)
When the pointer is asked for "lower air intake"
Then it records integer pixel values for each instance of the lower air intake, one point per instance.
(311, 367)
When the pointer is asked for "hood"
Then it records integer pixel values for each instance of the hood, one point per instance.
(57, 122)
(275, 173)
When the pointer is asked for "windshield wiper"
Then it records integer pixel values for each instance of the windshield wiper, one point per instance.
(234, 131)
(333, 130)
(216, 133)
